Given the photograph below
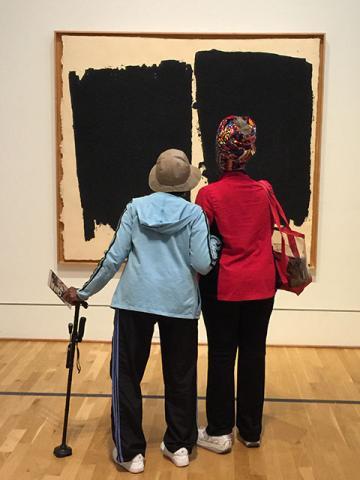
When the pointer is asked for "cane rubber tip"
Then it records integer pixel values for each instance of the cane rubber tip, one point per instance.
(62, 451)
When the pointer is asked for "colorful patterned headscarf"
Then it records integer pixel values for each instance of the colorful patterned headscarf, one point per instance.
(235, 142)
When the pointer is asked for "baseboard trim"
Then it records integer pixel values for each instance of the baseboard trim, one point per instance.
(156, 341)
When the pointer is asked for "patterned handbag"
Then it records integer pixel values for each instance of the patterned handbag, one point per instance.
(289, 249)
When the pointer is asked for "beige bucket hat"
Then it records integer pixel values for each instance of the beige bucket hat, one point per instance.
(173, 173)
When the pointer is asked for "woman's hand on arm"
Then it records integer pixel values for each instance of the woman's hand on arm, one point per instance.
(204, 248)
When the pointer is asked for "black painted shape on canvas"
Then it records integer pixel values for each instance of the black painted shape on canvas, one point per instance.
(123, 119)
(276, 92)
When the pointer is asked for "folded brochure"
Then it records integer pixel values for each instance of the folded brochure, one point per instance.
(57, 286)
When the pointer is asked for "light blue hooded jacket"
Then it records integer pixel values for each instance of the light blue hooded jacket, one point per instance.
(166, 242)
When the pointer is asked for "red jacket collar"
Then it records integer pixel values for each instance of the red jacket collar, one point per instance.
(238, 174)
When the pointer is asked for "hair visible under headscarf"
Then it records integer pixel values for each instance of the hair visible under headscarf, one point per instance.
(235, 142)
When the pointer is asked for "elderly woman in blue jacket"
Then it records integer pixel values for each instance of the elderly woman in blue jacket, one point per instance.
(166, 242)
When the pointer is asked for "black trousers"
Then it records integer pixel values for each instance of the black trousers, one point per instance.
(236, 327)
(130, 352)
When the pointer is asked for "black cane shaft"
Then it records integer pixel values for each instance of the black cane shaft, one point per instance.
(71, 365)
(68, 393)
(76, 321)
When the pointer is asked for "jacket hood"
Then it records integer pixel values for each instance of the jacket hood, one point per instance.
(164, 213)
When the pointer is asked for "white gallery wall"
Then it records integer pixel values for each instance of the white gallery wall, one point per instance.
(327, 313)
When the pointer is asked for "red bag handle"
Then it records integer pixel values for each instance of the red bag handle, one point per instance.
(278, 214)
(276, 209)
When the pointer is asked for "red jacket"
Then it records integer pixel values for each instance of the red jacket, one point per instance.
(238, 211)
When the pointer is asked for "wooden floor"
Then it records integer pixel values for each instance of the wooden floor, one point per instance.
(307, 435)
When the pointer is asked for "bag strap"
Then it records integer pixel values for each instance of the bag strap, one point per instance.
(278, 214)
(276, 209)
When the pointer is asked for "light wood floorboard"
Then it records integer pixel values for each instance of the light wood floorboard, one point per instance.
(301, 441)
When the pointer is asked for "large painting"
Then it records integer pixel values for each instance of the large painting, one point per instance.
(124, 98)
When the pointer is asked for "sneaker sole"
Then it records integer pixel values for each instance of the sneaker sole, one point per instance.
(182, 463)
(213, 448)
(250, 444)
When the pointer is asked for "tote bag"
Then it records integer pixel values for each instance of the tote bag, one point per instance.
(289, 249)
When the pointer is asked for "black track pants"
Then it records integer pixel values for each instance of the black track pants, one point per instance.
(236, 327)
(130, 352)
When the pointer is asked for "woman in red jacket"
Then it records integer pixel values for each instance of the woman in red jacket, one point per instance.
(238, 295)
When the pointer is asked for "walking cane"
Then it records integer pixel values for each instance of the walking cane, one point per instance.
(76, 336)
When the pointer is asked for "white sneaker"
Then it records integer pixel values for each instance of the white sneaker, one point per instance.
(136, 465)
(180, 458)
(218, 443)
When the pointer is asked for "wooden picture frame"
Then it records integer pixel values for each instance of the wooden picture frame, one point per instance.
(83, 55)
